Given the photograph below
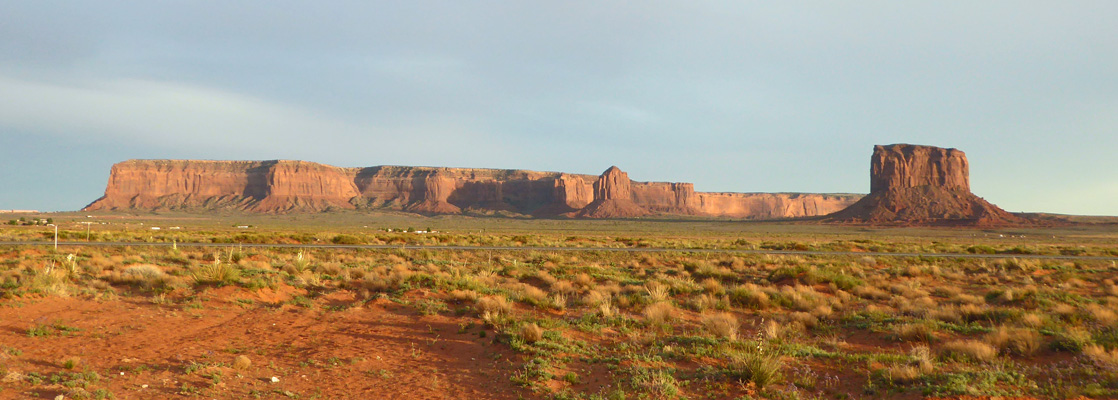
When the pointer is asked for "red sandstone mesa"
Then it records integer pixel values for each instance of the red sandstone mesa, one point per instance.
(299, 186)
(922, 185)
(613, 197)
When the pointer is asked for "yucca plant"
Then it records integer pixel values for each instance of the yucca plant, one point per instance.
(217, 273)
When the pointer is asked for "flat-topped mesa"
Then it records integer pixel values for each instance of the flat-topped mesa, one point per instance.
(263, 186)
(299, 186)
(922, 185)
(905, 165)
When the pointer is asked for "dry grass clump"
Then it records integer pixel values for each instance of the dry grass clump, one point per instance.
(607, 310)
(915, 332)
(146, 275)
(909, 289)
(798, 297)
(902, 373)
(1074, 339)
(1065, 311)
(921, 364)
(546, 278)
(463, 296)
(1021, 341)
(713, 286)
(242, 362)
(493, 305)
(532, 293)
(656, 291)
(659, 313)
(771, 330)
(919, 306)
(972, 312)
(594, 298)
(749, 296)
(968, 299)
(1103, 315)
(563, 287)
(584, 280)
(922, 358)
(823, 311)
(531, 333)
(71, 362)
(869, 292)
(723, 325)
(1100, 356)
(558, 301)
(331, 268)
(1032, 320)
(803, 319)
(948, 292)
(969, 350)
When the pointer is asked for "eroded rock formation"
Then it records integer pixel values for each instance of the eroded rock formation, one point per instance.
(263, 186)
(297, 186)
(922, 185)
(906, 166)
(613, 197)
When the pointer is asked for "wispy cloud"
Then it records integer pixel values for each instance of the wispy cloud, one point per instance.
(161, 113)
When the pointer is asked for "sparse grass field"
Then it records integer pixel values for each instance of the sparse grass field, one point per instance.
(183, 321)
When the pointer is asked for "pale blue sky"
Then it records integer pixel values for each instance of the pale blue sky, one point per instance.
(742, 96)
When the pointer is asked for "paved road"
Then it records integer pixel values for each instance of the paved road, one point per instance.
(580, 249)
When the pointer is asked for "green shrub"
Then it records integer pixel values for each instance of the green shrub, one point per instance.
(347, 239)
(758, 365)
(217, 273)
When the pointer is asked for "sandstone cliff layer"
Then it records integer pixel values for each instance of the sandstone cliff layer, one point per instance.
(922, 185)
(613, 197)
(298, 186)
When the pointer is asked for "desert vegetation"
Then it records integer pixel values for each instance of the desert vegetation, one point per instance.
(557, 324)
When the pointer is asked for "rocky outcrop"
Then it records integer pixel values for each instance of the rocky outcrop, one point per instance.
(772, 205)
(437, 188)
(296, 186)
(304, 186)
(907, 166)
(262, 186)
(922, 185)
(572, 194)
(613, 197)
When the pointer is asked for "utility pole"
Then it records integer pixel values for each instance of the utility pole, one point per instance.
(55, 236)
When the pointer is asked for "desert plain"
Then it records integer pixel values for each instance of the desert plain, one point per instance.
(395, 305)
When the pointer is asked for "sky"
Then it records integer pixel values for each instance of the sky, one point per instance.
(734, 96)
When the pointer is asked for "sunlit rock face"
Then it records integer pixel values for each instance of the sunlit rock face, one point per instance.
(281, 186)
(922, 185)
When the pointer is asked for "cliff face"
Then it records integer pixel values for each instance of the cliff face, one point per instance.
(922, 185)
(264, 186)
(296, 186)
(905, 166)
(613, 197)
(772, 205)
